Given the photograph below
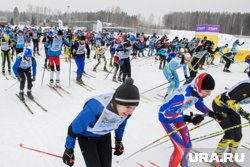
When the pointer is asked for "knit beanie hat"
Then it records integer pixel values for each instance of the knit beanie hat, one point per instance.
(204, 82)
(82, 37)
(59, 32)
(127, 94)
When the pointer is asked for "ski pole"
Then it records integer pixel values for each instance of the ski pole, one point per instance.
(11, 86)
(109, 72)
(43, 76)
(221, 131)
(154, 88)
(43, 152)
(208, 137)
(143, 148)
(196, 127)
(69, 69)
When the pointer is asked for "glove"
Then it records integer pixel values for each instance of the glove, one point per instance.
(119, 148)
(19, 79)
(68, 157)
(186, 77)
(217, 116)
(121, 62)
(194, 119)
(244, 114)
(33, 79)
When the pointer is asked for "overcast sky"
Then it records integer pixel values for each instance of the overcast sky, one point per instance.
(144, 7)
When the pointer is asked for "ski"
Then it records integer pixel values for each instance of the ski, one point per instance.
(86, 88)
(25, 104)
(160, 95)
(89, 87)
(5, 76)
(39, 105)
(153, 164)
(53, 88)
(246, 147)
(146, 98)
(141, 165)
(160, 99)
(9, 74)
(59, 87)
(89, 75)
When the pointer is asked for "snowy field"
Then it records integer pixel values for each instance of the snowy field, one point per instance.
(47, 131)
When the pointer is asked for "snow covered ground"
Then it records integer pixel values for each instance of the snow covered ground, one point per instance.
(47, 131)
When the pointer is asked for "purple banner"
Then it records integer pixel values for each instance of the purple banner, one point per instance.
(207, 28)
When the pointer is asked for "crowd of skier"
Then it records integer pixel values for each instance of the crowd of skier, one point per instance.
(104, 113)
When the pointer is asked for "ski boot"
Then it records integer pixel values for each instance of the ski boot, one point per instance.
(119, 79)
(3, 71)
(114, 79)
(94, 69)
(58, 83)
(51, 82)
(9, 71)
(166, 95)
(105, 69)
(79, 80)
(201, 68)
(30, 96)
(21, 95)
(226, 70)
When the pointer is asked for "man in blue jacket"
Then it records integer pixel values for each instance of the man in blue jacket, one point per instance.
(99, 116)
(22, 70)
(55, 45)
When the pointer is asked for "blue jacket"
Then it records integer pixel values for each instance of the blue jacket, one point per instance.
(180, 100)
(55, 46)
(88, 118)
(22, 63)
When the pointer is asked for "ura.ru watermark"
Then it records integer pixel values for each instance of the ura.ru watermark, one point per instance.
(226, 157)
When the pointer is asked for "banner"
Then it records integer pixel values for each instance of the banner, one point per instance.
(98, 26)
(210, 31)
(60, 24)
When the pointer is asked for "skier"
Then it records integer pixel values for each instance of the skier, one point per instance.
(99, 116)
(171, 115)
(20, 41)
(152, 42)
(124, 52)
(22, 70)
(229, 58)
(5, 52)
(47, 37)
(197, 56)
(55, 45)
(235, 44)
(220, 49)
(100, 53)
(78, 52)
(229, 103)
(170, 73)
(36, 39)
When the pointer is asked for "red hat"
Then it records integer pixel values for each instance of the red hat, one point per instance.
(204, 82)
